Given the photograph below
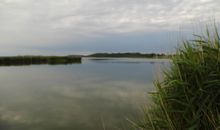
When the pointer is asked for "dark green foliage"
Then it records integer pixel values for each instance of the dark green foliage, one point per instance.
(31, 60)
(130, 55)
(188, 98)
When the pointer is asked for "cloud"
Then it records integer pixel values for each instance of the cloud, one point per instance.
(31, 24)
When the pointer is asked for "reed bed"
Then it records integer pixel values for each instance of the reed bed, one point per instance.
(35, 60)
(188, 97)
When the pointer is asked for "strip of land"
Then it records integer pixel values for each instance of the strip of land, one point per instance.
(36, 60)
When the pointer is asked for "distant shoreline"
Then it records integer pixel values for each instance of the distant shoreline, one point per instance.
(72, 59)
(131, 55)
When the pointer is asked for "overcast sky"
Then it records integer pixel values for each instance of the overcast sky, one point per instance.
(59, 27)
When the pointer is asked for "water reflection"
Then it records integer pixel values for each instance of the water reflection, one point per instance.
(80, 96)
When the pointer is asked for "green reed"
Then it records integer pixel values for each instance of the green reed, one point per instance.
(188, 98)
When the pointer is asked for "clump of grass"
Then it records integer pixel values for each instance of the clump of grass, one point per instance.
(188, 98)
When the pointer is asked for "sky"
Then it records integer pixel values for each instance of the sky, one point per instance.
(61, 27)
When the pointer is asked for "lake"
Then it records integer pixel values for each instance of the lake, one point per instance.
(99, 94)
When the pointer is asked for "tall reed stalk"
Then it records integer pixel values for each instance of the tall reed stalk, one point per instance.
(188, 98)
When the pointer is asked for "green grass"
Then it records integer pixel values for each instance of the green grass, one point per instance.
(188, 98)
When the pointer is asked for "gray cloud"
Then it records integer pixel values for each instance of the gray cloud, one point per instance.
(32, 24)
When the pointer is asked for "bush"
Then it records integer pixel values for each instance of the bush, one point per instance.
(188, 98)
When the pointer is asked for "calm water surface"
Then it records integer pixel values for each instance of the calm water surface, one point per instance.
(95, 95)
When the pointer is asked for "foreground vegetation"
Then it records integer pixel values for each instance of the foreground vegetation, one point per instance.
(31, 60)
(130, 55)
(188, 98)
